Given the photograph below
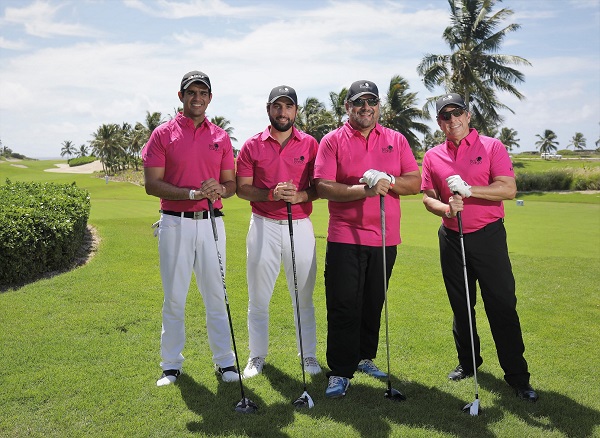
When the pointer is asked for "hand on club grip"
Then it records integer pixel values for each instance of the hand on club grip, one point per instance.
(457, 185)
(371, 176)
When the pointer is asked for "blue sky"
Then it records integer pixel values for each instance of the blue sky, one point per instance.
(69, 66)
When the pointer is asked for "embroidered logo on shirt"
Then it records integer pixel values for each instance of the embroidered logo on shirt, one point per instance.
(477, 161)
(299, 160)
(214, 147)
(388, 149)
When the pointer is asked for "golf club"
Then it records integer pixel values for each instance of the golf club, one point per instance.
(391, 393)
(471, 408)
(304, 400)
(245, 406)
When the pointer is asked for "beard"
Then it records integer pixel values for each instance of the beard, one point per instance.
(358, 120)
(281, 126)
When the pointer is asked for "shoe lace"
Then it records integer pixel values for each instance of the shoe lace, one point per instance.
(366, 363)
(311, 362)
(335, 381)
(255, 362)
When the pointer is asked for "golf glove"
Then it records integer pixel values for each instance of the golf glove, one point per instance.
(457, 185)
(371, 177)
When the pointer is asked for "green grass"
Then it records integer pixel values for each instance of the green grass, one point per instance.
(522, 164)
(81, 349)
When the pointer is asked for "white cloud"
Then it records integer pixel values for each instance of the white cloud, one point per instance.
(38, 20)
(193, 8)
(11, 45)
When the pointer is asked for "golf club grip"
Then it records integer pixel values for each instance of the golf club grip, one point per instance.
(212, 219)
(289, 213)
(459, 218)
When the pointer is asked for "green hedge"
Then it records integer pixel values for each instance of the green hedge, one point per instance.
(559, 179)
(42, 226)
(81, 160)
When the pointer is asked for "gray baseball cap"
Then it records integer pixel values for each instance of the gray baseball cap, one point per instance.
(449, 99)
(360, 88)
(195, 76)
(283, 91)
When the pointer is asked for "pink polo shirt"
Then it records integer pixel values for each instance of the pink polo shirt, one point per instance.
(263, 159)
(189, 156)
(344, 155)
(478, 161)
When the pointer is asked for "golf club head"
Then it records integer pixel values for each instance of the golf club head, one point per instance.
(246, 406)
(394, 395)
(472, 408)
(304, 401)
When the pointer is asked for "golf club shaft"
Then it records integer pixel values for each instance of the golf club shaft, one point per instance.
(291, 227)
(385, 301)
(464, 261)
(216, 235)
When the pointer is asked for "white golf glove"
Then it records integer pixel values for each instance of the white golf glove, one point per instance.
(457, 185)
(371, 176)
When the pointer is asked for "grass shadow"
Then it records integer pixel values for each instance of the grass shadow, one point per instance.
(366, 410)
(553, 411)
(218, 413)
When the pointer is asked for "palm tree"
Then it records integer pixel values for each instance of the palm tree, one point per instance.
(83, 151)
(338, 109)
(314, 119)
(176, 111)
(430, 141)
(474, 69)
(68, 148)
(223, 123)
(106, 146)
(508, 137)
(578, 141)
(547, 143)
(399, 112)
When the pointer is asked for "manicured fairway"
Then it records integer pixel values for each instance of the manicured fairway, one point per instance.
(80, 350)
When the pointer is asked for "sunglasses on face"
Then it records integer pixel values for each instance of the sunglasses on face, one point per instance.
(447, 115)
(358, 103)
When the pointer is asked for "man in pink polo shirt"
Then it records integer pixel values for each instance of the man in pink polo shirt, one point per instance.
(474, 174)
(187, 162)
(360, 151)
(275, 167)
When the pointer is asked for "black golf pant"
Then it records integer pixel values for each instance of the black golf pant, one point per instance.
(355, 296)
(487, 263)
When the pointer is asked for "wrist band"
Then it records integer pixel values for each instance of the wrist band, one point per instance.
(192, 194)
(447, 213)
(271, 198)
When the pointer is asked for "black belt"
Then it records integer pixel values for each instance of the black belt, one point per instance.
(193, 214)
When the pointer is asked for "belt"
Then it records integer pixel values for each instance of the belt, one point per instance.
(276, 221)
(204, 214)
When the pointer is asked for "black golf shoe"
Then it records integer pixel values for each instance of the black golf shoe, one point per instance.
(526, 393)
(459, 373)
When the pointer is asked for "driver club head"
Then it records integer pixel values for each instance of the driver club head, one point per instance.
(472, 408)
(246, 406)
(394, 395)
(304, 401)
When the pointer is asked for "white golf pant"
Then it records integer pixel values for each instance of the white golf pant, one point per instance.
(186, 246)
(268, 244)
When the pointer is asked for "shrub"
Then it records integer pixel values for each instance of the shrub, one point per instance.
(559, 179)
(42, 225)
(79, 161)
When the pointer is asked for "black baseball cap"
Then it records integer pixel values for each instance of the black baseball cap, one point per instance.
(360, 88)
(449, 99)
(283, 91)
(195, 76)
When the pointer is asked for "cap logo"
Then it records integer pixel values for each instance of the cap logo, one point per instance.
(448, 97)
(365, 85)
(196, 76)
